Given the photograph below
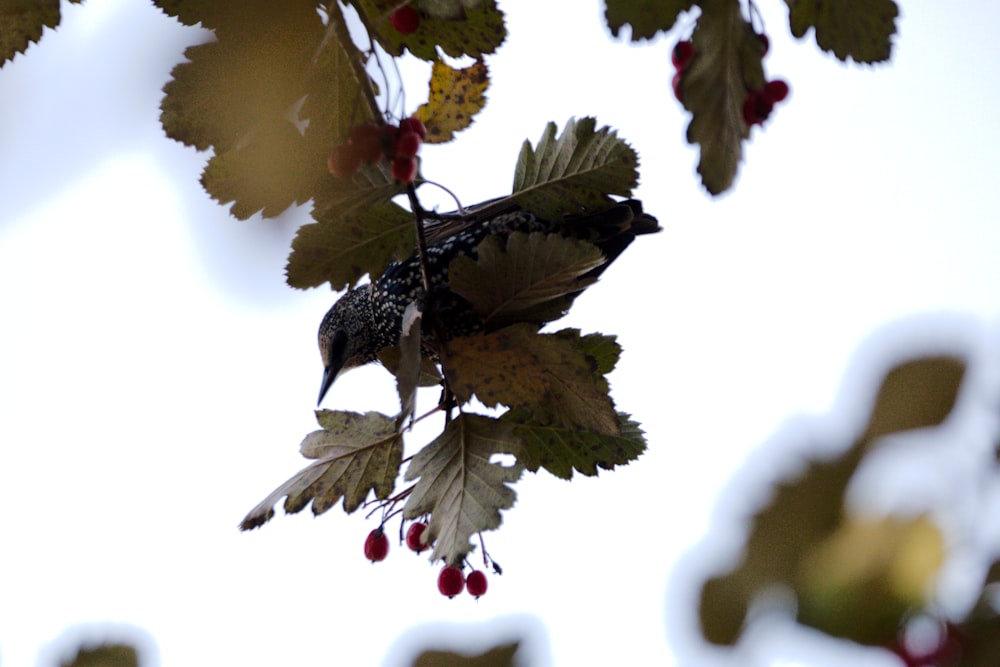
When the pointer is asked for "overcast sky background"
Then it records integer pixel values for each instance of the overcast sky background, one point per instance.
(157, 376)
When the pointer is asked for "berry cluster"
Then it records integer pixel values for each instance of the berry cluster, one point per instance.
(451, 580)
(681, 58)
(758, 104)
(405, 20)
(368, 143)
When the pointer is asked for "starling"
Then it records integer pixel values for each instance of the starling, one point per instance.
(369, 317)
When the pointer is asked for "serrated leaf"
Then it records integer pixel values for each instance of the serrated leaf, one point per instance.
(456, 95)
(575, 172)
(477, 30)
(355, 453)
(645, 17)
(548, 373)
(726, 65)
(604, 349)
(523, 278)
(560, 450)
(22, 23)
(408, 372)
(459, 487)
(860, 29)
(342, 249)
(916, 394)
(239, 96)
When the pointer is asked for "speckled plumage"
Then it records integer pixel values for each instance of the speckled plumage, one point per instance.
(369, 317)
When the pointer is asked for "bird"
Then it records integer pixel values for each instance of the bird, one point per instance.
(369, 317)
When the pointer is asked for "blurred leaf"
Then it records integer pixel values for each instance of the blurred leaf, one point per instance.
(342, 249)
(522, 279)
(549, 375)
(916, 394)
(795, 538)
(980, 640)
(22, 23)
(726, 65)
(861, 29)
(104, 655)
(862, 579)
(561, 450)
(459, 487)
(472, 29)
(239, 96)
(645, 17)
(498, 656)
(429, 375)
(456, 95)
(575, 172)
(355, 453)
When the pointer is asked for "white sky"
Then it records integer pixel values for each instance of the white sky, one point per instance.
(156, 376)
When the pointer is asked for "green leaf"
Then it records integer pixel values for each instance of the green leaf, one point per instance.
(549, 374)
(456, 95)
(605, 350)
(241, 96)
(459, 487)
(560, 450)
(522, 279)
(726, 65)
(860, 29)
(22, 23)
(645, 17)
(344, 248)
(575, 172)
(472, 29)
(916, 394)
(355, 453)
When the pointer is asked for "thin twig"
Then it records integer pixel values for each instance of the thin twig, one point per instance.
(339, 27)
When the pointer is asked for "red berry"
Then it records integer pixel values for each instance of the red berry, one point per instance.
(451, 581)
(365, 139)
(676, 85)
(343, 160)
(404, 169)
(765, 44)
(413, 534)
(376, 545)
(476, 583)
(405, 20)
(682, 54)
(756, 108)
(407, 144)
(413, 124)
(776, 90)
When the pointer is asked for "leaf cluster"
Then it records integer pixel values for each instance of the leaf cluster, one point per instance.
(551, 388)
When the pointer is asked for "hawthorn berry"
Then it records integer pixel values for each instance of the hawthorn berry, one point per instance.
(365, 139)
(413, 124)
(682, 54)
(407, 144)
(404, 169)
(776, 90)
(675, 83)
(476, 583)
(343, 160)
(405, 20)
(451, 581)
(413, 534)
(376, 545)
(756, 108)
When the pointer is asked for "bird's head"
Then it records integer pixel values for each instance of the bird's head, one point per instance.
(346, 338)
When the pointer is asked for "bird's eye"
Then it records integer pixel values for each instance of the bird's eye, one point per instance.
(338, 347)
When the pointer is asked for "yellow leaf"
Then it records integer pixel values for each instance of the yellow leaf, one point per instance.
(456, 95)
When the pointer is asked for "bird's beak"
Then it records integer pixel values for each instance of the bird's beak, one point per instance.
(329, 375)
